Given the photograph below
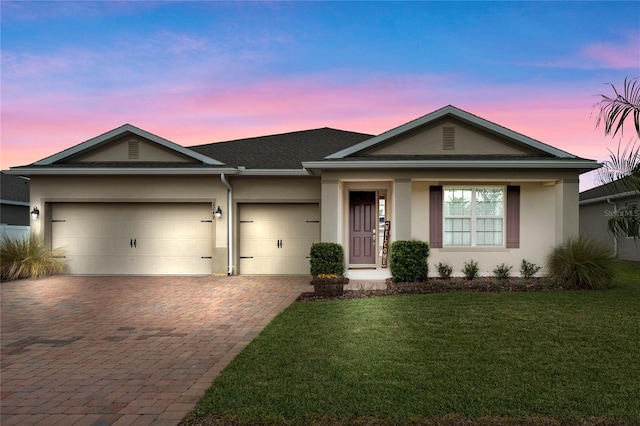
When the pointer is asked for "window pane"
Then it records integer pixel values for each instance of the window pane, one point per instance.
(489, 232)
(489, 201)
(457, 231)
(457, 202)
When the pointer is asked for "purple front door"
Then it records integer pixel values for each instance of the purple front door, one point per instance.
(362, 228)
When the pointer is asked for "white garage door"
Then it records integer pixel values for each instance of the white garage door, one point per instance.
(134, 239)
(275, 239)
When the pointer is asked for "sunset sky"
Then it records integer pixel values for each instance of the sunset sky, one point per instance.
(200, 72)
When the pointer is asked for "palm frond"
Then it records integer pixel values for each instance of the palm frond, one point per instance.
(625, 223)
(623, 167)
(613, 111)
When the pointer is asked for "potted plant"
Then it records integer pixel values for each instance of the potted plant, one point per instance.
(327, 269)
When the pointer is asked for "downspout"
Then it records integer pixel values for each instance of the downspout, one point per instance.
(224, 181)
(615, 237)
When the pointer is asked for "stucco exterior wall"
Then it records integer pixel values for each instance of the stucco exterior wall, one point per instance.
(594, 219)
(548, 210)
(537, 231)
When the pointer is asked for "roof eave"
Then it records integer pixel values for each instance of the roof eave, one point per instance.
(450, 164)
(602, 198)
(32, 171)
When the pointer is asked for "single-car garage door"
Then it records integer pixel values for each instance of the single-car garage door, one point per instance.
(134, 238)
(275, 239)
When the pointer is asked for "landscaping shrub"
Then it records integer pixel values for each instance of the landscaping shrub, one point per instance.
(444, 271)
(502, 271)
(470, 270)
(528, 269)
(582, 263)
(327, 258)
(27, 258)
(409, 261)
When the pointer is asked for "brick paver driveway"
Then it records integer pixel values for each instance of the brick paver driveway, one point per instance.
(125, 350)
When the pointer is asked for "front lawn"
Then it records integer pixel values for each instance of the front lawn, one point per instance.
(550, 357)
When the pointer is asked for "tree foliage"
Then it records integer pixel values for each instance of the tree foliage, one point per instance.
(623, 167)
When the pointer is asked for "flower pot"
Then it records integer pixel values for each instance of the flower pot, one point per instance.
(329, 286)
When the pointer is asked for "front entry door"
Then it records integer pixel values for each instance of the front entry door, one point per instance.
(362, 228)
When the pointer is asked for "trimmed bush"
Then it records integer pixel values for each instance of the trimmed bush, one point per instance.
(470, 270)
(327, 259)
(582, 263)
(444, 271)
(528, 269)
(409, 261)
(502, 271)
(27, 258)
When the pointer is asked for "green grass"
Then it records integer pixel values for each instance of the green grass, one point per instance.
(549, 357)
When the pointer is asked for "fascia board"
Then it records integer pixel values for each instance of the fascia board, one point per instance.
(555, 164)
(455, 112)
(610, 197)
(273, 172)
(119, 131)
(14, 203)
(119, 171)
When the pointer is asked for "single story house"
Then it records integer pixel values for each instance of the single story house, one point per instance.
(130, 202)
(598, 205)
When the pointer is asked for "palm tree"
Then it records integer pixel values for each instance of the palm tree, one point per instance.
(623, 167)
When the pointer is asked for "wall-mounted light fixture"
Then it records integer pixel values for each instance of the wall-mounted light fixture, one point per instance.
(218, 213)
(35, 213)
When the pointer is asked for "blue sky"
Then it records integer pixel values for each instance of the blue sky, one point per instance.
(199, 72)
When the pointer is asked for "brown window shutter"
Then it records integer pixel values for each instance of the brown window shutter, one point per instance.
(435, 216)
(513, 217)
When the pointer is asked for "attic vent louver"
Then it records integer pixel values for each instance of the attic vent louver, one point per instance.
(134, 150)
(448, 138)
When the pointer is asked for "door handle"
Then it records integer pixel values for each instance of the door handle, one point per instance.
(131, 243)
(135, 243)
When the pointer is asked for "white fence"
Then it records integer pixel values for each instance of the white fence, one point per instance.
(14, 231)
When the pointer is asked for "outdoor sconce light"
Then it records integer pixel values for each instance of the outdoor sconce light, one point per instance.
(218, 213)
(35, 212)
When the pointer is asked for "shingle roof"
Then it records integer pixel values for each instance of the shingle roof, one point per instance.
(14, 188)
(281, 151)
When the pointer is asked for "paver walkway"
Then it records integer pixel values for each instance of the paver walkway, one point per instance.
(125, 350)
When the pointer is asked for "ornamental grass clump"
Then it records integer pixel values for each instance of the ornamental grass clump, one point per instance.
(582, 263)
(22, 258)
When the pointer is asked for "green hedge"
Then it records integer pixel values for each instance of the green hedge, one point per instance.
(409, 261)
(327, 258)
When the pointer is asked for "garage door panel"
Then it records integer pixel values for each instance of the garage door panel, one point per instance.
(276, 238)
(169, 238)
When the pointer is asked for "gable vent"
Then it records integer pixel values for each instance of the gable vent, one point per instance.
(134, 150)
(448, 138)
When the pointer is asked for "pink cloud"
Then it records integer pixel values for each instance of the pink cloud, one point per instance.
(610, 55)
(35, 127)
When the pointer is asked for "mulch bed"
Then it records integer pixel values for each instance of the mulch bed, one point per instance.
(437, 285)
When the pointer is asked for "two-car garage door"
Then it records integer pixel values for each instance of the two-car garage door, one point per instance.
(134, 238)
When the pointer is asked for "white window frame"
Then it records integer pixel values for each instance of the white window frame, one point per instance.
(474, 217)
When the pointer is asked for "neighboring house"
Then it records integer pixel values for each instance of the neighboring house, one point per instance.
(14, 205)
(598, 205)
(130, 202)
